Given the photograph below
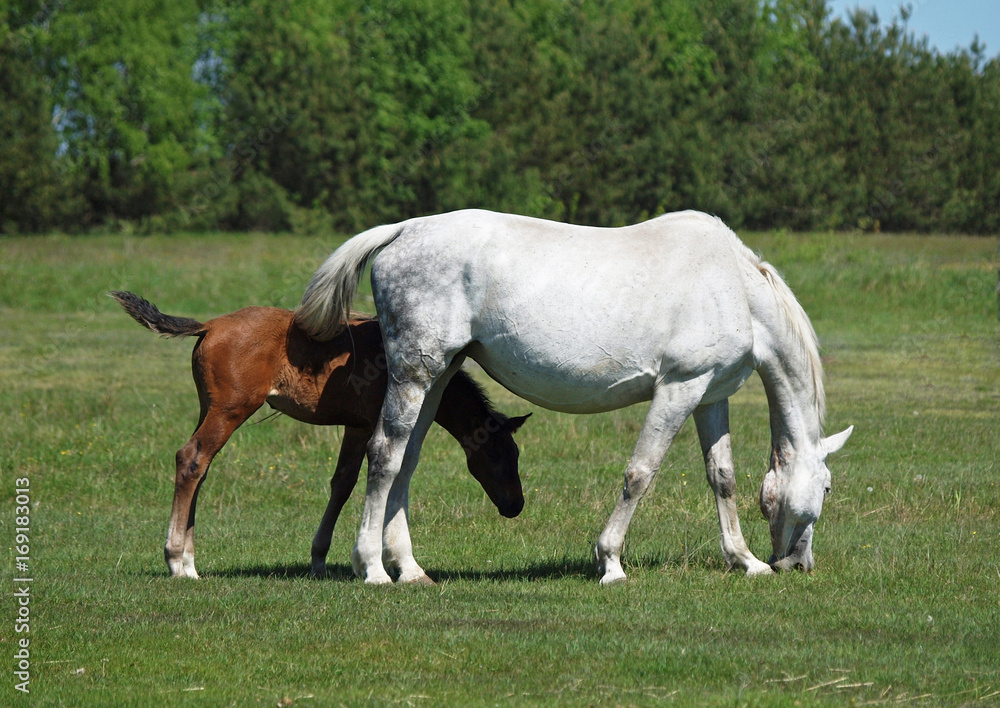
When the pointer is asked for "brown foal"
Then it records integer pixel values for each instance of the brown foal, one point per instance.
(259, 355)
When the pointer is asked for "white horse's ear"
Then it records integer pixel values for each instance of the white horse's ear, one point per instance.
(835, 442)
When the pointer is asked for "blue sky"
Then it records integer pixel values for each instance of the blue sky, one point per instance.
(947, 23)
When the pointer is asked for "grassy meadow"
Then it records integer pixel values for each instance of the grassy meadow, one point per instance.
(903, 607)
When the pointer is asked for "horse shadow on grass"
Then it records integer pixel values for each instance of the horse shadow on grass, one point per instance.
(553, 569)
(342, 572)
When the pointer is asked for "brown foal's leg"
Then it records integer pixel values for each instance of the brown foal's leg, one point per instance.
(345, 477)
(193, 461)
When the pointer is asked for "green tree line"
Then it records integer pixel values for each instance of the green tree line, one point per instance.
(331, 114)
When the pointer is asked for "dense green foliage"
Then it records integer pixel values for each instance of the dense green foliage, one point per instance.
(312, 114)
(902, 608)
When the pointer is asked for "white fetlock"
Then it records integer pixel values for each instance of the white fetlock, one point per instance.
(182, 567)
(189, 570)
(373, 574)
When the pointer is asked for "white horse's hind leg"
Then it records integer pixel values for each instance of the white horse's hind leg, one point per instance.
(400, 411)
(393, 451)
(713, 431)
(672, 404)
(397, 548)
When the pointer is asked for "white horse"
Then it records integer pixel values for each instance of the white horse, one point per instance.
(676, 311)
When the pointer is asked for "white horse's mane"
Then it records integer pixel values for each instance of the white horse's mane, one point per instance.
(798, 321)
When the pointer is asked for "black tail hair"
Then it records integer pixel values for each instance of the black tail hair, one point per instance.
(145, 313)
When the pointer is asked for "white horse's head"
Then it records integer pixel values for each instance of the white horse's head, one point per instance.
(791, 499)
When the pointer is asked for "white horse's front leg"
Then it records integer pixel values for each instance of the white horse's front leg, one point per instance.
(671, 406)
(713, 431)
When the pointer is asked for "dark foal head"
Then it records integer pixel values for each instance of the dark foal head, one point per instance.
(487, 436)
(491, 453)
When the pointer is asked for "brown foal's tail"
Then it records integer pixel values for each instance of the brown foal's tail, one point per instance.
(145, 313)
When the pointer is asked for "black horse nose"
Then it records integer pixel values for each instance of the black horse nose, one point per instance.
(512, 508)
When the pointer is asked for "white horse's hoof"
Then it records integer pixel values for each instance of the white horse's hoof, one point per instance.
(378, 579)
(412, 574)
(758, 570)
(421, 579)
(613, 578)
(609, 568)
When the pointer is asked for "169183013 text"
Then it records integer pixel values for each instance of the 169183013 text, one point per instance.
(22, 584)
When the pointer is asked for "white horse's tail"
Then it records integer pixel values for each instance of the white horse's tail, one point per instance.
(326, 304)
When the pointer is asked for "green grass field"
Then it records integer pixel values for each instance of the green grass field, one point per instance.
(903, 607)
